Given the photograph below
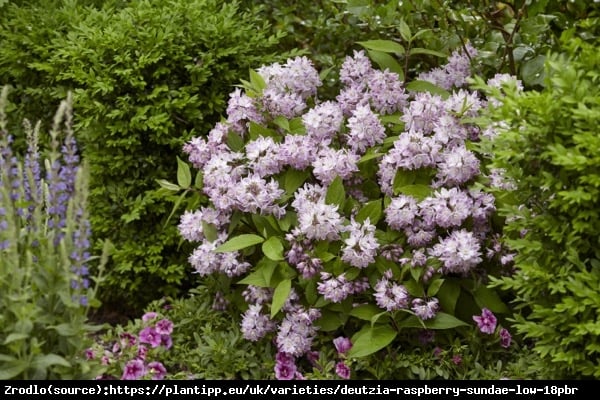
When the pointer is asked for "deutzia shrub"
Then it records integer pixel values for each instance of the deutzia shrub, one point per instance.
(360, 216)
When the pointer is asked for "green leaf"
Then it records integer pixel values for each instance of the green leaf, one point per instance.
(425, 86)
(386, 46)
(488, 298)
(372, 210)
(168, 185)
(448, 295)
(13, 337)
(404, 30)
(371, 339)
(417, 191)
(369, 156)
(66, 329)
(199, 181)
(44, 361)
(532, 70)
(329, 321)
(441, 321)
(257, 81)
(434, 287)
(262, 275)
(365, 312)
(240, 242)
(282, 122)
(385, 61)
(401, 179)
(419, 50)
(294, 179)
(184, 175)
(336, 193)
(12, 369)
(257, 130)
(234, 141)
(210, 231)
(280, 295)
(273, 248)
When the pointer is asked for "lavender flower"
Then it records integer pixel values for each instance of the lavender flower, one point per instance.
(460, 252)
(455, 72)
(257, 295)
(457, 166)
(255, 325)
(331, 163)
(241, 109)
(365, 130)
(486, 322)
(296, 332)
(390, 295)
(425, 309)
(323, 121)
(333, 288)
(320, 222)
(361, 247)
(164, 327)
(401, 212)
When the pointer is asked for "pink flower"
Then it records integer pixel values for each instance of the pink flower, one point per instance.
(89, 354)
(150, 336)
(285, 371)
(505, 338)
(149, 316)
(166, 341)
(486, 322)
(342, 370)
(157, 370)
(457, 359)
(164, 327)
(142, 351)
(342, 344)
(134, 369)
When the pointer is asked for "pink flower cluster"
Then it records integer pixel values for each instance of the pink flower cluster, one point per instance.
(155, 336)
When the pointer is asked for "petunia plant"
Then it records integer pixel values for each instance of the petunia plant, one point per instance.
(360, 216)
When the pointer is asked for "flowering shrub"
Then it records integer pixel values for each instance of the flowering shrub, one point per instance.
(45, 282)
(134, 356)
(361, 215)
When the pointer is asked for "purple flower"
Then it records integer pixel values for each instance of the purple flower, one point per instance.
(457, 359)
(425, 309)
(166, 341)
(365, 130)
(296, 332)
(505, 338)
(157, 370)
(323, 121)
(150, 336)
(460, 252)
(333, 288)
(89, 354)
(390, 295)
(342, 344)
(285, 371)
(164, 327)
(134, 369)
(149, 316)
(142, 352)
(254, 324)
(361, 247)
(331, 163)
(342, 370)
(486, 322)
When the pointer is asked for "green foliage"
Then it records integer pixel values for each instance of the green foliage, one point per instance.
(512, 37)
(146, 76)
(548, 144)
(44, 328)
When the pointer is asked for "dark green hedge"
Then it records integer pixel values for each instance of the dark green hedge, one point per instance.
(146, 77)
